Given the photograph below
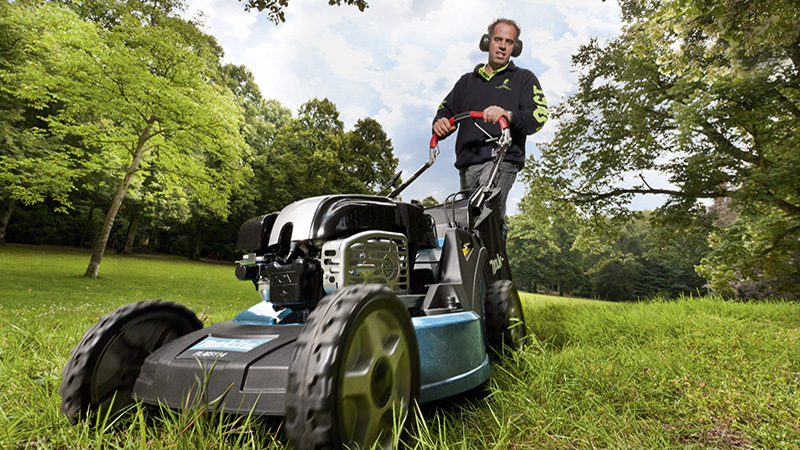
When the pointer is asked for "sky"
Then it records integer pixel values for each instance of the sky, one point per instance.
(397, 60)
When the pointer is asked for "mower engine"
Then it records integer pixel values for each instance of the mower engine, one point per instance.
(315, 246)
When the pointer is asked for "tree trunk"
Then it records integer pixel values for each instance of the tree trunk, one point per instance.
(88, 223)
(99, 247)
(5, 216)
(197, 249)
(127, 249)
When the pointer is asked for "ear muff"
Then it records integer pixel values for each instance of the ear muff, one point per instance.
(484, 46)
(517, 49)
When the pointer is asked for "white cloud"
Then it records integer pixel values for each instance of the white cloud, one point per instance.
(224, 22)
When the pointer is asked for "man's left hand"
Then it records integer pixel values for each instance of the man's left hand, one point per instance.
(493, 113)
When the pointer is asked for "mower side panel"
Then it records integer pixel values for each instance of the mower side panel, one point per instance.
(227, 366)
(459, 275)
(452, 353)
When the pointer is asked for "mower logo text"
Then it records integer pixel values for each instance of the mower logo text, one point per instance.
(233, 345)
(210, 354)
(496, 263)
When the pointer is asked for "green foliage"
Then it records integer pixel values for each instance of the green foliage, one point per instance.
(33, 166)
(156, 218)
(540, 241)
(262, 118)
(554, 247)
(429, 201)
(751, 258)
(312, 155)
(370, 155)
(151, 99)
(706, 93)
(125, 107)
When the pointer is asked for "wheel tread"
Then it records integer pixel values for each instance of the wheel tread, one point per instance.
(310, 403)
(76, 374)
(498, 322)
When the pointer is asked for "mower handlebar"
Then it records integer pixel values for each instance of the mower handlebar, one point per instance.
(468, 115)
(504, 140)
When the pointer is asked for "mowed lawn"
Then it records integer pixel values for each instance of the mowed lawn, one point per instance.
(690, 373)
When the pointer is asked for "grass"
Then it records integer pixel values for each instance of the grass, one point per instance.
(691, 373)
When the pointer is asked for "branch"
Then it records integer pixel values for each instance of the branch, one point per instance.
(789, 208)
(645, 182)
(275, 7)
(582, 198)
(777, 240)
(726, 146)
(789, 104)
(10, 47)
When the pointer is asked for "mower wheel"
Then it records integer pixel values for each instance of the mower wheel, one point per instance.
(354, 375)
(102, 369)
(505, 321)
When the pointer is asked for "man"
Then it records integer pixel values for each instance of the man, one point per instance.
(500, 89)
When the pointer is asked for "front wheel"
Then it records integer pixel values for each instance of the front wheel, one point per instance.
(355, 371)
(102, 369)
(505, 320)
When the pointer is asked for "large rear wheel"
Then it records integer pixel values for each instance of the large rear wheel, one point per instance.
(102, 369)
(505, 320)
(355, 371)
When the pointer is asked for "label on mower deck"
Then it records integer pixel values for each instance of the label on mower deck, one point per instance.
(230, 345)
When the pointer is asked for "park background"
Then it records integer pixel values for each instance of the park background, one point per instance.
(127, 128)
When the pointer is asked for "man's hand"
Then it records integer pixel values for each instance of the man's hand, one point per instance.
(493, 113)
(442, 128)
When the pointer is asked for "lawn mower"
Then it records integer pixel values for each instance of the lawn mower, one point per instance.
(368, 306)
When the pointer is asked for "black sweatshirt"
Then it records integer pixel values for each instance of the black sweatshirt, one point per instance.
(511, 88)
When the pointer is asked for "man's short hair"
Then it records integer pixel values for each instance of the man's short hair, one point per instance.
(507, 22)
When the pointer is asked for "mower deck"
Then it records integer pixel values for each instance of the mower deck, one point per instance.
(240, 365)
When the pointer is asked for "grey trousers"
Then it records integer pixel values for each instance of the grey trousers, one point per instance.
(478, 174)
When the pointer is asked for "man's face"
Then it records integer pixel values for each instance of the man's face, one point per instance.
(501, 44)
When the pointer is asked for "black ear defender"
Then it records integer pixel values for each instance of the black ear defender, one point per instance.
(484, 46)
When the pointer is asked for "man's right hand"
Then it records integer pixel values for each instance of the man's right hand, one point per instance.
(442, 128)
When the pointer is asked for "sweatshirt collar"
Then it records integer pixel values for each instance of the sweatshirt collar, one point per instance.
(480, 69)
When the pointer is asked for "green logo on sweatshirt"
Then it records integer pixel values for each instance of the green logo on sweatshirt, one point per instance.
(504, 85)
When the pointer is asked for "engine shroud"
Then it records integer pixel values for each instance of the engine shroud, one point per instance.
(334, 217)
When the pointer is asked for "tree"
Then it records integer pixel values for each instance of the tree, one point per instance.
(541, 241)
(632, 266)
(34, 166)
(313, 155)
(152, 202)
(140, 89)
(268, 196)
(275, 8)
(262, 118)
(429, 201)
(707, 93)
(369, 158)
(303, 158)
